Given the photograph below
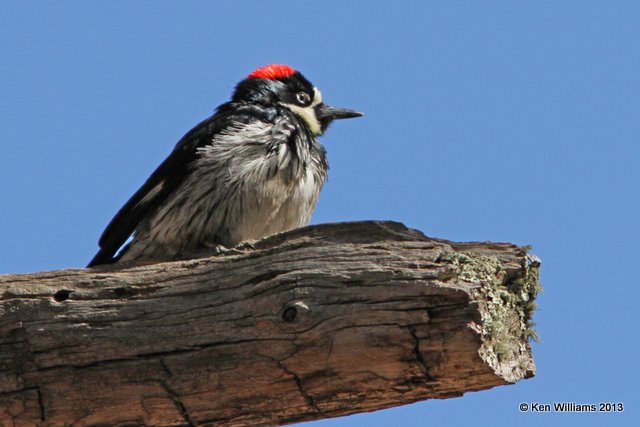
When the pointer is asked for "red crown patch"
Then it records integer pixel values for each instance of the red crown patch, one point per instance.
(272, 72)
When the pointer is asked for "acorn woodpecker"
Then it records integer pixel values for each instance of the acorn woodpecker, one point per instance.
(252, 169)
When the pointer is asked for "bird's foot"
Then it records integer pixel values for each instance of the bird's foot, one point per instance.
(247, 245)
(218, 249)
(214, 248)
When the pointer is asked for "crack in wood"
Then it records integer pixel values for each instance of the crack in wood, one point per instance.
(270, 275)
(24, 396)
(418, 354)
(155, 355)
(307, 397)
(175, 397)
(40, 403)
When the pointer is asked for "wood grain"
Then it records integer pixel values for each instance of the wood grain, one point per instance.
(318, 322)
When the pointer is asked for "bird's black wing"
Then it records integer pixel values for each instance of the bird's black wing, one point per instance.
(168, 177)
(162, 182)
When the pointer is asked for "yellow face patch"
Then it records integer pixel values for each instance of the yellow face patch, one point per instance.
(308, 114)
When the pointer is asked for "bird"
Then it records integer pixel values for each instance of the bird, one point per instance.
(252, 169)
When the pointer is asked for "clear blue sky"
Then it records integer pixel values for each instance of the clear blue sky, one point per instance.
(506, 121)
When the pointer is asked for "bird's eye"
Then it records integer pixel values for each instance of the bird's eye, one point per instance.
(303, 98)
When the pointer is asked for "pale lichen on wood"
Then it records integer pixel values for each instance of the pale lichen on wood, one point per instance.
(507, 302)
(319, 322)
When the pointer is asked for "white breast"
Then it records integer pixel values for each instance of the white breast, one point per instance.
(246, 185)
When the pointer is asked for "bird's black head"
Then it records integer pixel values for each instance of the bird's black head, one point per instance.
(279, 84)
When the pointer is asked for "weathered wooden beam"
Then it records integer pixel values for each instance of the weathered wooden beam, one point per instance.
(318, 322)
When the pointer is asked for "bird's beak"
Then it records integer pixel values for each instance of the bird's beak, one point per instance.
(328, 113)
